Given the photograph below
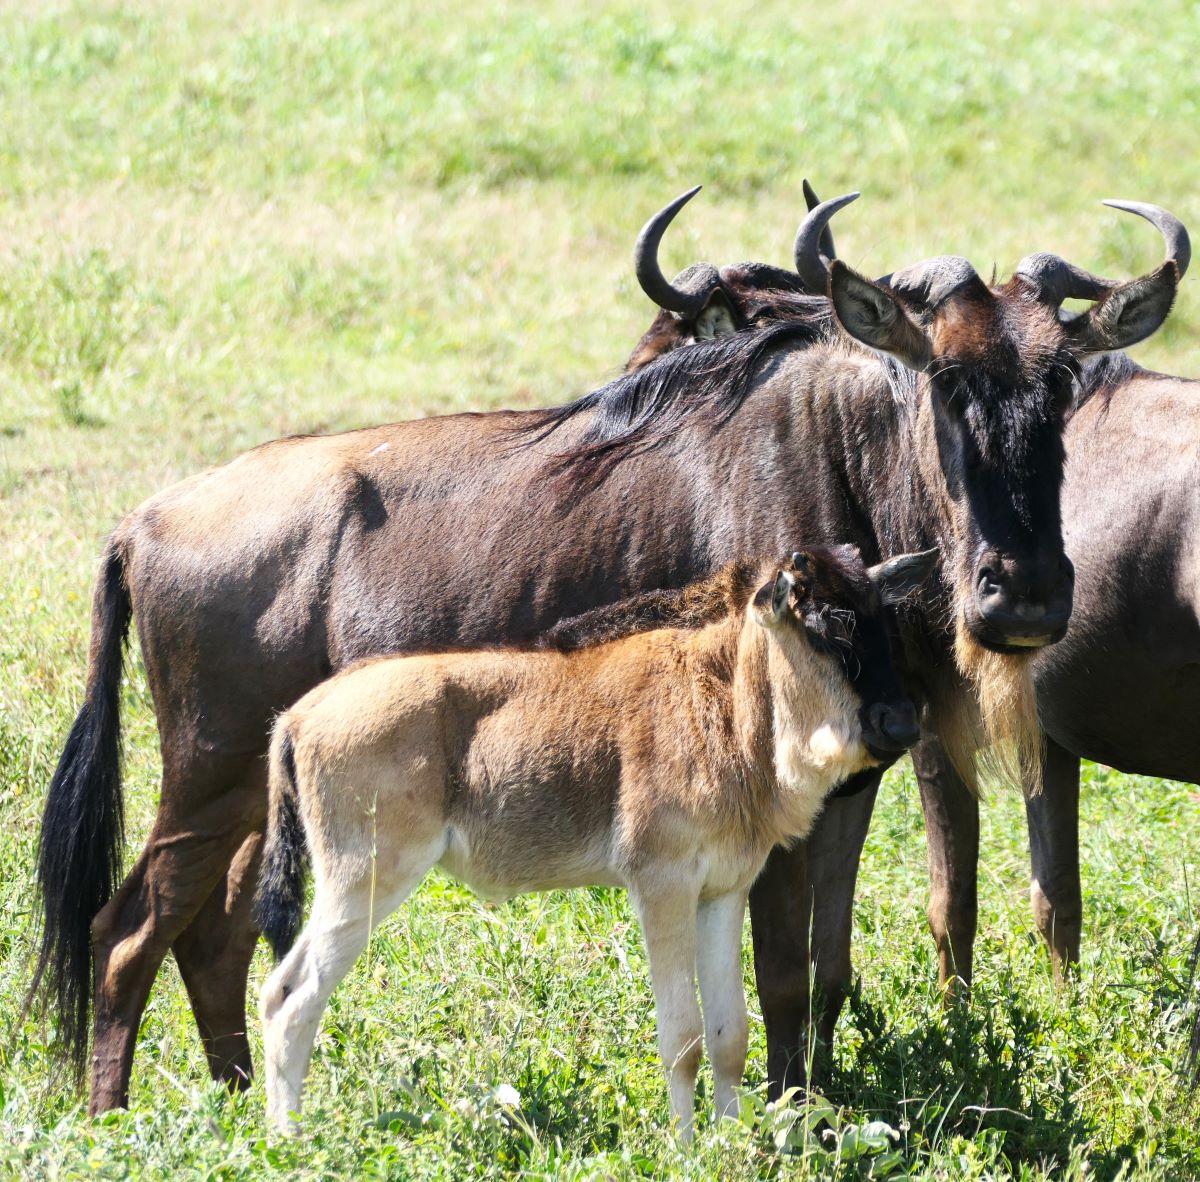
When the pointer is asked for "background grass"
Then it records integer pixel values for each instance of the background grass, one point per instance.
(220, 222)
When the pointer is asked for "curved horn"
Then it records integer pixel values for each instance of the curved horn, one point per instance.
(1059, 280)
(1174, 232)
(812, 265)
(812, 201)
(645, 262)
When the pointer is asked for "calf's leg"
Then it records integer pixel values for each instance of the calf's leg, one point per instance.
(1053, 818)
(952, 834)
(722, 994)
(668, 918)
(348, 903)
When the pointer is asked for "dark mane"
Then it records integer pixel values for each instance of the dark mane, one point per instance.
(1102, 374)
(726, 591)
(840, 579)
(705, 382)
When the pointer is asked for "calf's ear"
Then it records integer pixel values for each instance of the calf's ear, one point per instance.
(771, 599)
(897, 577)
(874, 315)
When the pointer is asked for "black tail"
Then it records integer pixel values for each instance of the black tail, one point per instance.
(83, 826)
(279, 903)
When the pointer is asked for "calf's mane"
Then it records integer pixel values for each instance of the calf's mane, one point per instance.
(722, 594)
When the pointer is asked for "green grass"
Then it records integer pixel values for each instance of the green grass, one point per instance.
(223, 222)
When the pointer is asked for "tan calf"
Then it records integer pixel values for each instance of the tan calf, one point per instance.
(668, 762)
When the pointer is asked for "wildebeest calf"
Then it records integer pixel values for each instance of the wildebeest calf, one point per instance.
(669, 762)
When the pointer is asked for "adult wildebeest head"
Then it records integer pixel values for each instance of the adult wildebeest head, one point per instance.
(999, 361)
(703, 302)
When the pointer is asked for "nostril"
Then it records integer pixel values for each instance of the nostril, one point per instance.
(901, 725)
(895, 724)
(989, 583)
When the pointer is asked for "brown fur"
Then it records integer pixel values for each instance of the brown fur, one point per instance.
(668, 761)
(693, 606)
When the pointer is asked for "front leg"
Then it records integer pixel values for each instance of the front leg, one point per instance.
(1053, 818)
(668, 916)
(808, 890)
(952, 833)
(722, 994)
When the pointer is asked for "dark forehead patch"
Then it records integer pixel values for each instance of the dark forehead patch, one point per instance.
(1002, 329)
(838, 577)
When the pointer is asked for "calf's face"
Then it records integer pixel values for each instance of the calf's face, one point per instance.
(827, 599)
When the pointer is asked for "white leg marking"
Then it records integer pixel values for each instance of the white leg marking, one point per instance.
(668, 917)
(719, 961)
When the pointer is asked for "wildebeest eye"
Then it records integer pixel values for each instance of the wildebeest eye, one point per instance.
(830, 630)
(951, 395)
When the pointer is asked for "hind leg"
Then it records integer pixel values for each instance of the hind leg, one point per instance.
(214, 954)
(346, 908)
(172, 879)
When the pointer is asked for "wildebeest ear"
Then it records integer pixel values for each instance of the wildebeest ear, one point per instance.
(1128, 314)
(771, 599)
(804, 567)
(873, 315)
(896, 577)
(802, 562)
(716, 318)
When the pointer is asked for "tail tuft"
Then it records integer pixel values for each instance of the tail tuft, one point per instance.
(83, 824)
(279, 903)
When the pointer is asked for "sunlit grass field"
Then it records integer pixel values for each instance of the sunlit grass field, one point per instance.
(221, 222)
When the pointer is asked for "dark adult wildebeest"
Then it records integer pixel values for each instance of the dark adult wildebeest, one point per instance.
(668, 762)
(255, 581)
(701, 302)
(1122, 687)
(1119, 688)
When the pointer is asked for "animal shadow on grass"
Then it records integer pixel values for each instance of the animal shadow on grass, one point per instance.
(982, 1071)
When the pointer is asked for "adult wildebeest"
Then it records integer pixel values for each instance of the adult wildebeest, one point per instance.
(668, 762)
(702, 302)
(254, 582)
(1134, 625)
(1123, 686)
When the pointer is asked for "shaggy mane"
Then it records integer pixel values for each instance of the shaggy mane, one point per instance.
(704, 383)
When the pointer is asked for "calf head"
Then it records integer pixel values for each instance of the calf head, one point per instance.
(826, 600)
